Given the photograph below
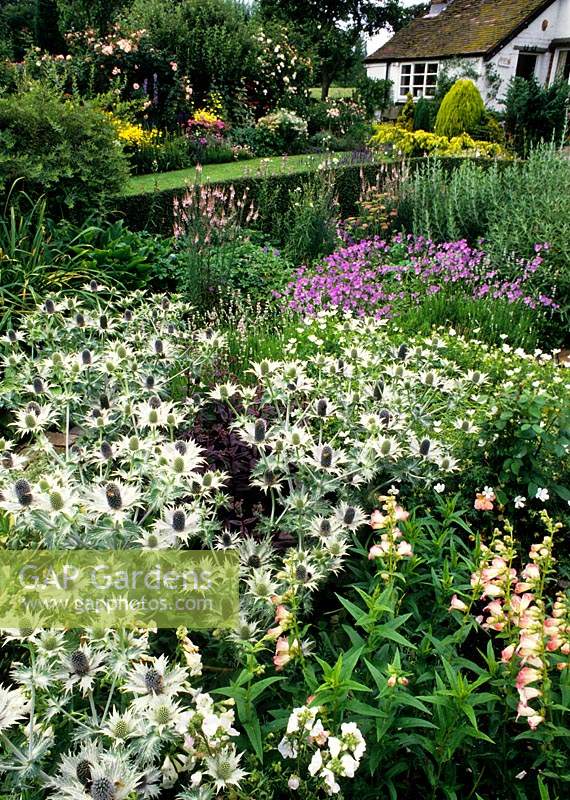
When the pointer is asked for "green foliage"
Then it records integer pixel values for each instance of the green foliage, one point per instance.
(461, 109)
(374, 95)
(16, 28)
(47, 34)
(212, 41)
(512, 206)
(38, 256)
(534, 112)
(240, 266)
(424, 115)
(406, 115)
(79, 15)
(308, 230)
(62, 149)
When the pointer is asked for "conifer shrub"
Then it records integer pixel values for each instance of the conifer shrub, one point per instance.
(461, 110)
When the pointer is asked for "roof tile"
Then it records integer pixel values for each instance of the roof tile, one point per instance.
(465, 27)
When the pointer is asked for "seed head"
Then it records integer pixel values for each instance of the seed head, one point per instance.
(49, 306)
(326, 457)
(23, 492)
(86, 357)
(349, 515)
(83, 773)
(149, 382)
(103, 789)
(155, 401)
(80, 320)
(38, 385)
(153, 681)
(179, 521)
(113, 495)
(180, 447)
(322, 407)
(79, 663)
(260, 430)
(106, 450)
(425, 446)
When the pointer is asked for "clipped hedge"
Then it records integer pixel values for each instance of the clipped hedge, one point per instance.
(153, 211)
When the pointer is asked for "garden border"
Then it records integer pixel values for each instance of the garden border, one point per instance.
(153, 210)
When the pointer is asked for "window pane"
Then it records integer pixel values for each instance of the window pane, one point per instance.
(432, 68)
(406, 69)
(419, 70)
(431, 80)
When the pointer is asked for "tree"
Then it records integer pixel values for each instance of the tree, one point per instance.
(332, 29)
(81, 14)
(46, 30)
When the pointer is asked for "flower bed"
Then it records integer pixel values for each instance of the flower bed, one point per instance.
(369, 626)
(379, 278)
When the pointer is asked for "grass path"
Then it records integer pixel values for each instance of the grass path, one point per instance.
(142, 184)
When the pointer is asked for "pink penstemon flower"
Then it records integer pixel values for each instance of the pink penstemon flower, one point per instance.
(517, 611)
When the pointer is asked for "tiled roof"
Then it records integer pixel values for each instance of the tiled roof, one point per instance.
(465, 27)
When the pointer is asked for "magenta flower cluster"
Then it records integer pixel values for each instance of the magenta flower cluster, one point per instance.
(379, 278)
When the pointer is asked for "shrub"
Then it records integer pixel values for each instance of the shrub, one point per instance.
(534, 112)
(460, 111)
(280, 132)
(374, 95)
(406, 115)
(424, 114)
(418, 143)
(61, 149)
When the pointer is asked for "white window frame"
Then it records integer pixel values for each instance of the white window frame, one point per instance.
(417, 73)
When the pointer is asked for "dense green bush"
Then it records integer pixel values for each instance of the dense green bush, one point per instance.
(424, 114)
(534, 112)
(153, 210)
(460, 111)
(57, 147)
(374, 95)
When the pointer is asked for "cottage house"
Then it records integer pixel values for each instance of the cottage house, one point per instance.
(499, 39)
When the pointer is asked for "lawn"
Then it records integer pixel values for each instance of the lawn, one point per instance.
(223, 172)
(335, 92)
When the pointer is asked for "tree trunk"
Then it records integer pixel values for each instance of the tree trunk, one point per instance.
(326, 81)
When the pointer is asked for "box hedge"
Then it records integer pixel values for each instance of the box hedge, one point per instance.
(153, 210)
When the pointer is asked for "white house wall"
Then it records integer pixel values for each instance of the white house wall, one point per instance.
(504, 63)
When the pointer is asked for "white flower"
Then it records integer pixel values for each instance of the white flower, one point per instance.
(542, 495)
(156, 678)
(316, 763)
(115, 499)
(520, 501)
(224, 768)
(287, 748)
(488, 492)
(80, 668)
(13, 707)
(439, 488)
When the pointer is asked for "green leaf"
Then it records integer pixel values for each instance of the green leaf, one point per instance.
(257, 688)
